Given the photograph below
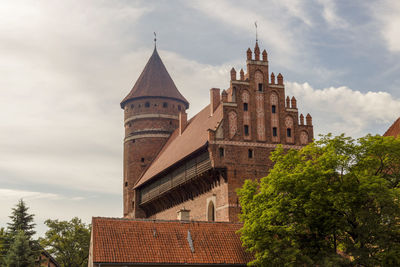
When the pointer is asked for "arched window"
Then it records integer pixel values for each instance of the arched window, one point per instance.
(211, 212)
(165, 104)
(259, 79)
(147, 104)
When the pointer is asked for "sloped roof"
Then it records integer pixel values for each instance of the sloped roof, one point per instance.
(178, 146)
(155, 82)
(393, 130)
(149, 241)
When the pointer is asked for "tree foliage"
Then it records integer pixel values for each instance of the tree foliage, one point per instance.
(20, 253)
(333, 203)
(68, 241)
(3, 245)
(21, 220)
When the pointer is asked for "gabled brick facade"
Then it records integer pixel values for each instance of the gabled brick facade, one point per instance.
(197, 165)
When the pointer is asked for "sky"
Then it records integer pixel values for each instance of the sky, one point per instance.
(66, 65)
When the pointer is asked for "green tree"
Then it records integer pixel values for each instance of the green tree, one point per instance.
(3, 245)
(21, 220)
(336, 196)
(20, 254)
(68, 241)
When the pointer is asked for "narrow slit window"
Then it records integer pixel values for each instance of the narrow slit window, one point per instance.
(260, 87)
(245, 106)
(126, 184)
(142, 159)
(274, 131)
(221, 152)
(250, 153)
(289, 132)
(246, 130)
(273, 109)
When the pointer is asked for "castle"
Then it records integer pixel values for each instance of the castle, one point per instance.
(190, 169)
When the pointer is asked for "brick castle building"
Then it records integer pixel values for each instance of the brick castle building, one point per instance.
(192, 168)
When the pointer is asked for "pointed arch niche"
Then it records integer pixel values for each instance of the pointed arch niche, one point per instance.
(211, 209)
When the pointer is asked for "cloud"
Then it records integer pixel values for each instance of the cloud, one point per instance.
(273, 29)
(343, 110)
(330, 15)
(12, 194)
(386, 14)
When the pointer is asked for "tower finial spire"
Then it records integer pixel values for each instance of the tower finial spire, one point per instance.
(155, 40)
(255, 24)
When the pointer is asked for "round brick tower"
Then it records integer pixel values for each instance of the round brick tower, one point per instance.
(151, 114)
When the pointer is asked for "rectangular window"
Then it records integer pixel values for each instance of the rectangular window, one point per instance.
(165, 104)
(246, 130)
(250, 153)
(273, 109)
(260, 87)
(274, 131)
(289, 132)
(245, 107)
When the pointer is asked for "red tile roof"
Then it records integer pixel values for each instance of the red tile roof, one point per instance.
(147, 241)
(155, 82)
(178, 146)
(393, 130)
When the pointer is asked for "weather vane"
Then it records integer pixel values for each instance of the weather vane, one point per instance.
(255, 23)
(155, 39)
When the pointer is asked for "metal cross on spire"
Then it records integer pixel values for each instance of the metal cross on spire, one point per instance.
(155, 39)
(255, 24)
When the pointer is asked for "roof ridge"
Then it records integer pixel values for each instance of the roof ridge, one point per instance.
(161, 220)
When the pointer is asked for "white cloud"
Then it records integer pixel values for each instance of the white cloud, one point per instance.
(343, 110)
(13, 194)
(387, 15)
(329, 13)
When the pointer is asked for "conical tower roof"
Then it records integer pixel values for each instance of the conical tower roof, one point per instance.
(155, 82)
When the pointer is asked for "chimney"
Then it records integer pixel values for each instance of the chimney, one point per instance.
(215, 99)
(182, 121)
(183, 215)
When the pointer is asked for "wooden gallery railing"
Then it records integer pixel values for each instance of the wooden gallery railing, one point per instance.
(182, 174)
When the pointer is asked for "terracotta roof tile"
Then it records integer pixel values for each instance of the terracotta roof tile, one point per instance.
(393, 130)
(178, 146)
(155, 82)
(148, 241)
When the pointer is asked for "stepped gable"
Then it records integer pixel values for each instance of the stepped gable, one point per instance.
(167, 242)
(155, 82)
(393, 130)
(194, 137)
